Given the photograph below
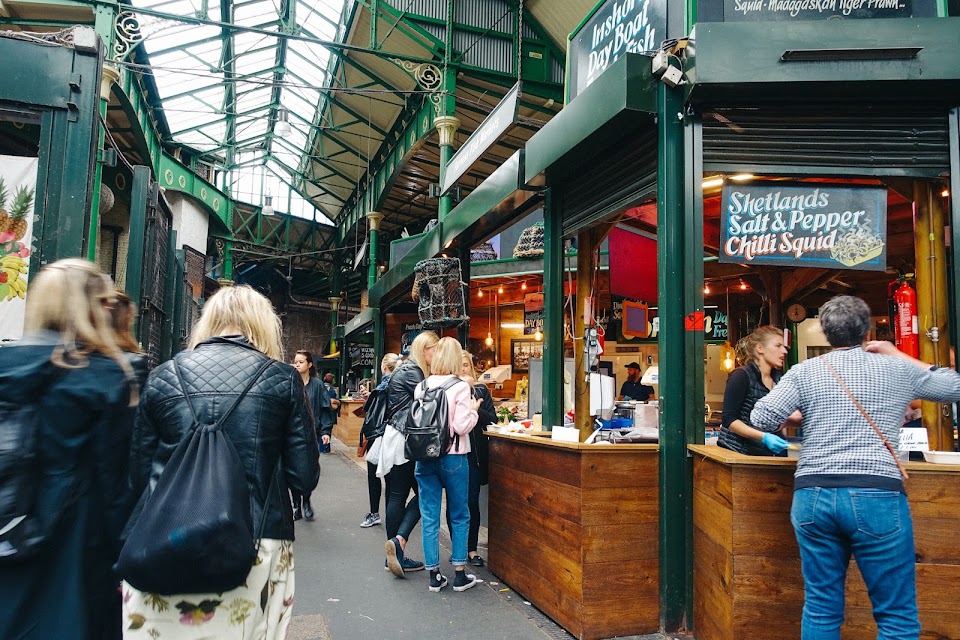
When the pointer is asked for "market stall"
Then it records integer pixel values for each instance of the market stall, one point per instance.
(747, 580)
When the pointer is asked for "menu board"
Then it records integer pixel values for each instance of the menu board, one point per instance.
(532, 313)
(796, 10)
(361, 356)
(618, 27)
(810, 225)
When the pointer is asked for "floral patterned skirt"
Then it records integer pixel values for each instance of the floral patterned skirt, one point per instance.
(260, 609)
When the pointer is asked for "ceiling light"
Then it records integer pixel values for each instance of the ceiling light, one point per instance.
(500, 289)
(523, 286)
(743, 286)
(489, 340)
(267, 208)
(511, 325)
(740, 177)
(706, 289)
(479, 293)
(538, 336)
(713, 182)
(282, 128)
(945, 193)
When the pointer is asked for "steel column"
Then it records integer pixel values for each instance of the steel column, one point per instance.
(553, 312)
(139, 202)
(673, 275)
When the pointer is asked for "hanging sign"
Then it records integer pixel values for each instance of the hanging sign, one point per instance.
(485, 136)
(532, 313)
(361, 356)
(797, 10)
(618, 27)
(408, 331)
(815, 225)
(18, 184)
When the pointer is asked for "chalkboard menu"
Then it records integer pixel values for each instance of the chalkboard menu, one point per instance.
(618, 27)
(797, 10)
(815, 225)
(361, 356)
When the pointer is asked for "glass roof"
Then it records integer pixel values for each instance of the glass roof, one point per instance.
(223, 90)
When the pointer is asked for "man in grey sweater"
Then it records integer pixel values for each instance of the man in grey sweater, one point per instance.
(848, 490)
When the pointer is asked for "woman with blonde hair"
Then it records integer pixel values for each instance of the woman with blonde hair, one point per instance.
(124, 312)
(762, 353)
(403, 516)
(69, 367)
(235, 346)
(451, 471)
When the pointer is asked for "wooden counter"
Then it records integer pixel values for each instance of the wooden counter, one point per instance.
(747, 579)
(347, 429)
(574, 529)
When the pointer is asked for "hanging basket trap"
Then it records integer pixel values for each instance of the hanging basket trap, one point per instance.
(483, 252)
(530, 244)
(439, 293)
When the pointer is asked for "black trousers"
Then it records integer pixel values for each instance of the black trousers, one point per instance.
(402, 516)
(373, 488)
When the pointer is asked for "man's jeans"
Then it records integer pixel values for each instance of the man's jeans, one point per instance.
(875, 526)
(450, 472)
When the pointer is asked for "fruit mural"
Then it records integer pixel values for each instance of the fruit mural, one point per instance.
(17, 200)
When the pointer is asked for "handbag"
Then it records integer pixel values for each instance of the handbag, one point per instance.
(896, 458)
(195, 534)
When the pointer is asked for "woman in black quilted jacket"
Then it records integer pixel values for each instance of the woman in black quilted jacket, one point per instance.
(275, 437)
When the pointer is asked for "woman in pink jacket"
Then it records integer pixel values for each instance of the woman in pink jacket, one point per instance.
(450, 472)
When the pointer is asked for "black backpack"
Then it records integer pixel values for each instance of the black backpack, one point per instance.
(21, 532)
(427, 427)
(195, 534)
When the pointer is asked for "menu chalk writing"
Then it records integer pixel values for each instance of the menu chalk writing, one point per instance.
(816, 225)
(778, 10)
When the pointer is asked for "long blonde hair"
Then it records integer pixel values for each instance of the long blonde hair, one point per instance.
(448, 358)
(423, 341)
(469, 358)
(389, 362)
(73, 298)
(244, 309)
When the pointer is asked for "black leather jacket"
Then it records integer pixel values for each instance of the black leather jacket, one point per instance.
(272, 423)
(404, 380)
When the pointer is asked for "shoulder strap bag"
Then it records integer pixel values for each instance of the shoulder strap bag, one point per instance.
(843, 385)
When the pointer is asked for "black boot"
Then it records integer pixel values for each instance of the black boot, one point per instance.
(307, 510)
(296, 514)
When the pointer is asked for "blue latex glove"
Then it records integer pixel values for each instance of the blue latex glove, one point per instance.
(774, 442)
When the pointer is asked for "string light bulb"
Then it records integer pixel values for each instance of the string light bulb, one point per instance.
(728, 360)
(706, 289)
(743, 286)
(523, 286)
(538, 336)
(500, 289)
(479, 293)
(489, 340)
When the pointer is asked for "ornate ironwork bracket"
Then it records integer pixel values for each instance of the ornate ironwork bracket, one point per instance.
(429, 77)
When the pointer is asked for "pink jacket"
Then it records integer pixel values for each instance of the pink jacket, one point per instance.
(462, 418)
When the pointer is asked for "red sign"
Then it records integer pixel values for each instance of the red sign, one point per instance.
(694, 321)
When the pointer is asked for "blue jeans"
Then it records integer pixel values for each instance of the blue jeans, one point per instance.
(875, 526)
(451, 472)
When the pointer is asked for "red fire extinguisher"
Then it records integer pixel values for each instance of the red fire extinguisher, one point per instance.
(906, 327)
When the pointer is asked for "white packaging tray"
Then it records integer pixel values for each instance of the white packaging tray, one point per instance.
(942, 457)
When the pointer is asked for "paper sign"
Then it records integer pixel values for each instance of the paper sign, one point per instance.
(914, 439)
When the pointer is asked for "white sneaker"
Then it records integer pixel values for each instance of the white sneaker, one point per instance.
(370, 520)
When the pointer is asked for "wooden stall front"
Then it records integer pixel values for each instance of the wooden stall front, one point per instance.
(574, 529)
(747, 579)
(347, 429)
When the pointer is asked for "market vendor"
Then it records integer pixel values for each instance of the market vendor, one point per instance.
(632, 389)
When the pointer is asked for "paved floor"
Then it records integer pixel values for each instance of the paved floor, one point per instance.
(344, 593)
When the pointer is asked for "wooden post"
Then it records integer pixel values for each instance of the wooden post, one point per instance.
(932, 304)
(581, 381)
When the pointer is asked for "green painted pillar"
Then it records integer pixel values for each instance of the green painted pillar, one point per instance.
(553, 312)
(677, 363)
(373, 222)
(104, 26)
(447, 125)
(379, 346)
(334, 315)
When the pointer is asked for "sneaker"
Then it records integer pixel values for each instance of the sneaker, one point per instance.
(409, 564)
(463, 581)
(395, 557)
(476, 561)
(437, 581)
(307, 511)
(296, 514)
(370, 520)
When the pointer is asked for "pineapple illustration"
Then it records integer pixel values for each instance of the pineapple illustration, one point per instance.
(22, 202)
(4, 217)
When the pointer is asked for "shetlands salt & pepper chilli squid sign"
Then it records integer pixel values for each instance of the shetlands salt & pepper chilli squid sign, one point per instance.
(816, 225)
(616, 28)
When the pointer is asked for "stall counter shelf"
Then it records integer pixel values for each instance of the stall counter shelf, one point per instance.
(347, 429)
(747, 581)
(566, 519)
